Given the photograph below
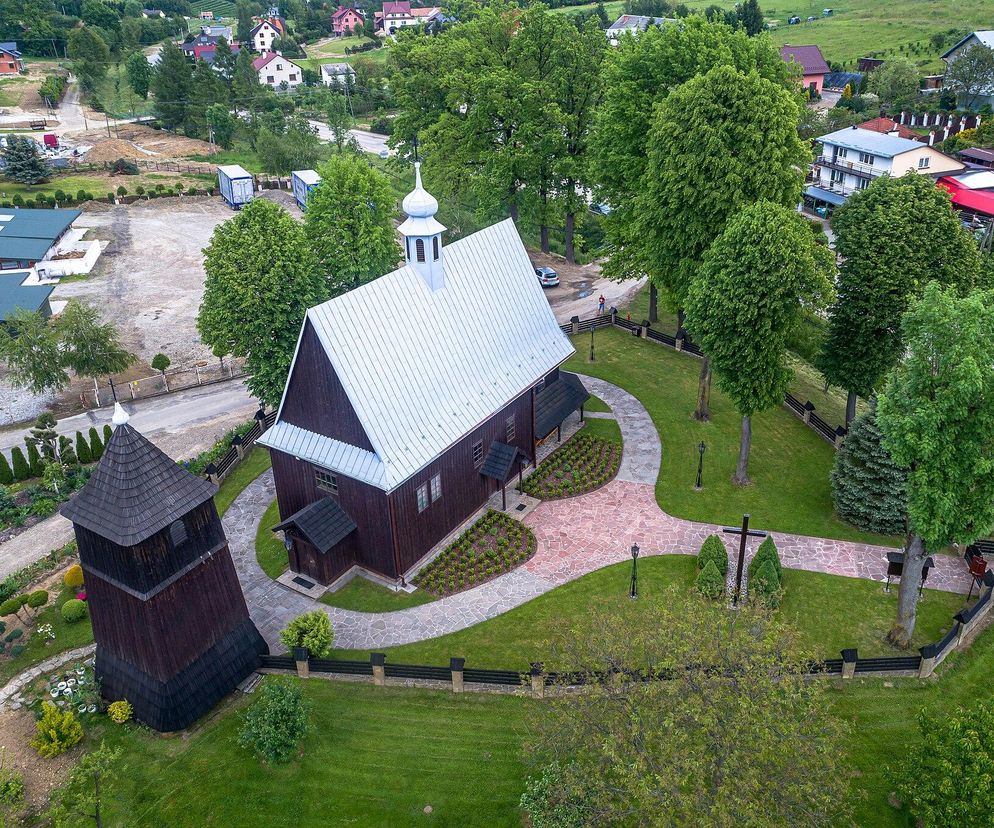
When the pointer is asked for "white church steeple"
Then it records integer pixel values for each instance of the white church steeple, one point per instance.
(423, 234)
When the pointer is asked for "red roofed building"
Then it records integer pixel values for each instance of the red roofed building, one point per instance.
(966, 199)
(891, 127)
(344, 20)
(813, 65)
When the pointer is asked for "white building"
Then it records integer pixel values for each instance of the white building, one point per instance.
(399, 15)
(275, 70)
(849, 159)
(633, 24)
(984, 38)
(263, 36)
(336, 73)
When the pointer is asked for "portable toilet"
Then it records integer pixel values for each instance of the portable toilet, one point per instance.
(303, 182)
(236, 185)
(51, 140)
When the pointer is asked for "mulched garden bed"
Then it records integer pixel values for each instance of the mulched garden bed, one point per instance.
(495, 544)
(581, 465)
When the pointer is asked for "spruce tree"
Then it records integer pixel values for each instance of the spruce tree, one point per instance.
(34, 461)
(868, 487)
(713, 550)
(710, 582)
(171, 84)
(765, 585)
(82, 449)
(6, 475)
(22, 471)
(96, 446)
(24, 162)
(108, 433)
(767, 552)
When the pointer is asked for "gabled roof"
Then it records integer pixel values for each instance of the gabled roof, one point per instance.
(555, 401)
(10, 47)
(499, 463)
(323, 523)
(979, 153)
(886, 125)
(975, 180)
(28, 233)
(423, 368)
(15, 295)
(838, 80)
(868, 141)
(135, 491)
(978, 201)
(337, 69)
(985, 38)
(809, 58)
(260, 62)
(397, 7)
(341, 11)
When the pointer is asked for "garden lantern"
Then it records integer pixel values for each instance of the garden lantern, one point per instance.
(591, 344)
(635, 572)
(701, 448)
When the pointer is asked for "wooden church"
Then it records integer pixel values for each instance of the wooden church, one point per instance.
(172, 629)
(415, 397)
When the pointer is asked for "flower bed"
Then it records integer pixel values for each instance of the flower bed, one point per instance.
(495, 544)
(581, 465)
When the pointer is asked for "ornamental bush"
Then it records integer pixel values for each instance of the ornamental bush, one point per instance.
(6, 474)
(96, 446)
(82, 449)
(73, 610)
(710, 582)
(767, 552)
(37, 599)
(765, 585)
(120, 711)
(275, 724)
(73, 577)
(11, 606)
(311, 630)
(108, 433)
(22, 471)
(57, 731)
(713, 550)
(34, 461)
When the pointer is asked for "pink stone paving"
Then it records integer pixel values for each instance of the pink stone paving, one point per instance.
(581, 534)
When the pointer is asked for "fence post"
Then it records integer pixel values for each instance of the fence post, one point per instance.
(456, 666)
(840, 436)
(260, 418)
(538, 679)
(379, 660)
(302, 660)
(927, 666)
(644, 330)
(808, 408)
(237, 445)
(211, 473)
(574, 322)
(849, 663)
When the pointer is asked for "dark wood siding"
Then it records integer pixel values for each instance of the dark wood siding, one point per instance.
(315, 398)
(370, 546)
(464, 489)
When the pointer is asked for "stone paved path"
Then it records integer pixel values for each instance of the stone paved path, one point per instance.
(575, 536)
(32, 544)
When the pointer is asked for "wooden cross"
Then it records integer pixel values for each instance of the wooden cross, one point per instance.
(745, 532)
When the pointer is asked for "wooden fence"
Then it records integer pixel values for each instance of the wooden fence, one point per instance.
(805, 411)
(240, 445)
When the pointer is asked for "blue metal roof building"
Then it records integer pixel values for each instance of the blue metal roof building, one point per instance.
(26, 235)
(14, 295)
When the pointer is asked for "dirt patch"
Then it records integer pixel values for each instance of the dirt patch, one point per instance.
(581, 286)
(112, 149)
(41, 776)
(138, 142)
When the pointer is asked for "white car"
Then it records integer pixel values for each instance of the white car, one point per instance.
(547, 277)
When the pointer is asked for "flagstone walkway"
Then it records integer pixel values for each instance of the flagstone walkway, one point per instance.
(575, 536)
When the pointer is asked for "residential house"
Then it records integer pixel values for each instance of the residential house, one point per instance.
(982, 38)
(812, 63)
(201, 42)
(10, 59)
(206, 15)
(337, 74)
(892, 127)
(390, 435)
(265, 33)
(153, 13)
(977, 157)
(632, 24)
(217, 30)
(849, 159)
(838, 81)
(399, 14)
(868, 64)
(344, 20)
(275, 70)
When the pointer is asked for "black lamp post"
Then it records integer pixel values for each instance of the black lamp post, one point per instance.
(591, 344)
(701, 448)
(634, 592)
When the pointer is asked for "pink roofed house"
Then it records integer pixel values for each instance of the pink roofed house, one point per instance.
(812, 63)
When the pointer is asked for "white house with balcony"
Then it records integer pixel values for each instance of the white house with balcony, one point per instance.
(847, 160)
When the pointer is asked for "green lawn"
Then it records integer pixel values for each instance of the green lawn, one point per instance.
(241, 154)
(596, 404)
(254, 464)
(789, 463)
(67, 637)
(605, 429)
(362, 595)
(374, 756)
(269, 549)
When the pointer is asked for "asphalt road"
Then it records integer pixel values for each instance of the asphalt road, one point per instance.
(367, 141)
(169, 413)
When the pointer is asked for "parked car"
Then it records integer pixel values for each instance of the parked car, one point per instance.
(547, 277)
(812, 18)
(793, 21)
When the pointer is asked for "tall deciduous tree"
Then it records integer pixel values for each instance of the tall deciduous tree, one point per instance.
(893, 238)
(971, 74)
(656, 753)
(29, 346)
(261, 279)
(896, 82)
(208, 89)
(296, 147)
(868, 487)
(90, 56)
(172, 81)
(754, 283)
(936, 413)
(349, 223)
(23, 161)
(139, 73)
(89, 347)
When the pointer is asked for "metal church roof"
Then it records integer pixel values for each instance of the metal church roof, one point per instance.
(423, 368)
(135, 491)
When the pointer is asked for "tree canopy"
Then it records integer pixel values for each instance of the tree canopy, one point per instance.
(24, 162)
(896, 82)
(90, 56)
(971, 74)
(171, 83)
(261, 279)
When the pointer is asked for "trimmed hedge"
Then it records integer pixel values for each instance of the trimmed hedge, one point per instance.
(713, 550)
(73, 610)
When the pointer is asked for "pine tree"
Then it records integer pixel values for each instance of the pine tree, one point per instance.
(171, 84)
(868, 487)
(82, 449)
(108, 433)
(34, 461)
(96, 446)
(6, 475)
(22, 471)
(24, 162)
(710, 582)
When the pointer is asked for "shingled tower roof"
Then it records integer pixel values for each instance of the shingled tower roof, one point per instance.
(135, 490)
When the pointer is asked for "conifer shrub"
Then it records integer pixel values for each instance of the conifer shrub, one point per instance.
(57, 731)
(713, 550)
(765, 585)
(6, 474)
(311, 630)
(108, 433)
(710, 582)
(82, 449)
(22, 471)
(767, 552)
(34, 461)
(37, 599)
(73, 577)
(73, 610)
(66, 451)
(96, 445)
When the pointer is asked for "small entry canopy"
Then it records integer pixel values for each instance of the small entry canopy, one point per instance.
(500, 460)
(323, 524)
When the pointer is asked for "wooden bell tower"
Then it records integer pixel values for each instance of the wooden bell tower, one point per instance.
(172, 629)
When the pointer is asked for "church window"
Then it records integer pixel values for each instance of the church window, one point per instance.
(419, 246)
(177, 533)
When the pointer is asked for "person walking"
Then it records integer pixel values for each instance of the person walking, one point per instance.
(600, 304)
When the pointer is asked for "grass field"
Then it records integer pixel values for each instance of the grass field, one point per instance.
(789, 464)
(13, 89)
(254, 464)
(221, 8)
(362, 595)
(97, 184)
(830, 612)
(374, 756)
(269, 549)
